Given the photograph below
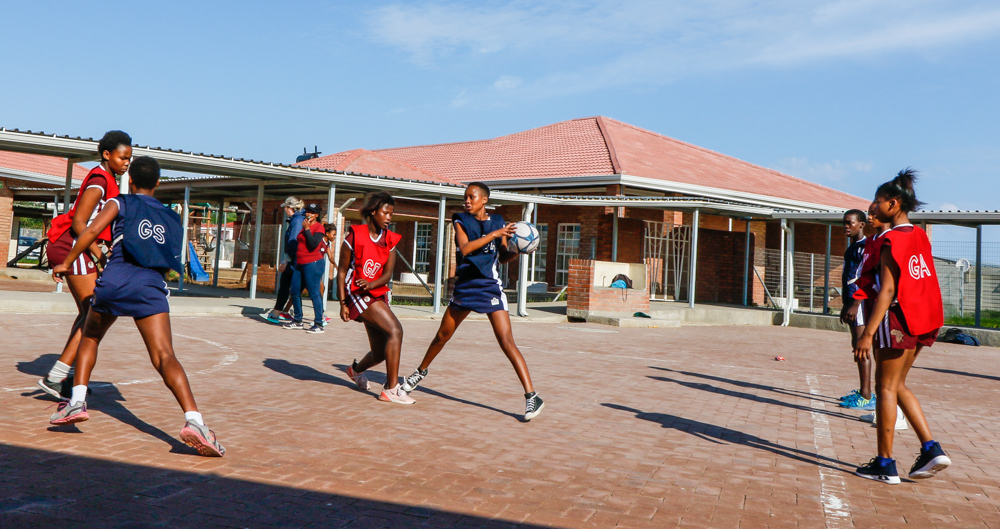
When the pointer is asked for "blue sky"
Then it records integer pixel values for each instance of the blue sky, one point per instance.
(842, 93)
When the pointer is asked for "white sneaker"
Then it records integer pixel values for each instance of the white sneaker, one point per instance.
(900, 419)
(396, 395)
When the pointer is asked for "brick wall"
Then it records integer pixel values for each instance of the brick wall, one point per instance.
(6, 219)
(583, 296)
(721, 256)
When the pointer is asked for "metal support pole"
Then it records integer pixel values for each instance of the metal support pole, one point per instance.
(614, 237)
(789, 229)
(69, 183)
(693, 264)
(184, 238)
(746, 263)
(220, 223)
(331, 214)
(781, 261)
(533, 260)
(256, 241)
(826, 272)
(439, 259)
(522, 281)
(979, 275)
(812, 278)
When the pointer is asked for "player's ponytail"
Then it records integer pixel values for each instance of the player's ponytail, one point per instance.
(901, 189)
(374, 202)
(111, 140)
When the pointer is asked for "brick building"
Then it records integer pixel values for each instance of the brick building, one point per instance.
(599, 156)
(28, 178)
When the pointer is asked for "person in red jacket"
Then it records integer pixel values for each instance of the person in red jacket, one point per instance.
(906, 317)
(99, 186)
(367, 259)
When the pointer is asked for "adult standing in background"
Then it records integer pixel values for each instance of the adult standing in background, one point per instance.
(294, 215)
(308, 269)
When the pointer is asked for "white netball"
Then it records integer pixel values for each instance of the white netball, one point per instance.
(525, 237)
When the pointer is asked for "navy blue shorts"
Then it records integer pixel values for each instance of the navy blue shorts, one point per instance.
(480, 295)
(128, 290)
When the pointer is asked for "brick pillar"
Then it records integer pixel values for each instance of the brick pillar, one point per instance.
(6, 220)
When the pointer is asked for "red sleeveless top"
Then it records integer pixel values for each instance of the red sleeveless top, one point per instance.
(869, 279)
(62, 223)
(918, 292)
(370, 257)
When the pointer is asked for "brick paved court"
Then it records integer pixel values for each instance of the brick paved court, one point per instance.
(689, 427)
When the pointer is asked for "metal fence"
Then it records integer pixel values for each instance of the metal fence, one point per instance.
(667, 255)
(955, 263)
(809, 283)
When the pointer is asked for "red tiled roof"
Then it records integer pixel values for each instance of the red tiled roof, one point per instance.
(363, 161)
(601, 146)
(36, 163)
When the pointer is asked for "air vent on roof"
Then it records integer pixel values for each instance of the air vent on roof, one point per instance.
(308, 155)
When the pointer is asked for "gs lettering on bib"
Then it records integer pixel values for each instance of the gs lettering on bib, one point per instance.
(152, 232)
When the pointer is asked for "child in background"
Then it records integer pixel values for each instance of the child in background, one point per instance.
(145, 244)
(906, 317)
(850, 315)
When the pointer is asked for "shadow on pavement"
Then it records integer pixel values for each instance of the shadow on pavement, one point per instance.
(105, 398)
(109, 494)
(306, 373)
(959, 373)
(718, 434)
(745, 384)
(749, 396)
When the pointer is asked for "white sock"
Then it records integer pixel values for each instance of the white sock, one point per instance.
(194, 416)
(58, 372)
(79, 394)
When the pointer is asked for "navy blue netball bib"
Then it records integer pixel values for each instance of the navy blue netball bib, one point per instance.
(152, 232)
(484, 259)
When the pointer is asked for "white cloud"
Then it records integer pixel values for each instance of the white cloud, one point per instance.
(507, 82)
(835, 171)
(606, 43)
(948, 206)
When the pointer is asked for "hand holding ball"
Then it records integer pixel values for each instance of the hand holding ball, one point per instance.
(525, 237)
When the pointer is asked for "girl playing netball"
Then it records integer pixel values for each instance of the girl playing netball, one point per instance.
(906, 317)
(481, 241)
(367, 260)
(142, 227)
(99, 186)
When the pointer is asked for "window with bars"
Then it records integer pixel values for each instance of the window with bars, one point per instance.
(567, 247)
(541, 252)
(422, 247)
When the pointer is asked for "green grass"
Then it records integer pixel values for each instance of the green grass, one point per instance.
(989, 319)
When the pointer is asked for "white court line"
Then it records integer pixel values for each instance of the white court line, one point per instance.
(229, 359)
(832, 486)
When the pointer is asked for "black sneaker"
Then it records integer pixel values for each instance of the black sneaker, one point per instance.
(877, 472)
(55, 389)
(315, 329)
(295, 325)
(532, 405)
(930, 462)
(410, 383)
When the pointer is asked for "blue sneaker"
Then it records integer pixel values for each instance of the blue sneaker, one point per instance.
(884, 473)
(849, 395)
(868, 406)
(856, 402)
(930, 462)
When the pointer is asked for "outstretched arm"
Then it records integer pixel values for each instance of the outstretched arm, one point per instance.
(345, 263)
(87, 237)
(466, 246)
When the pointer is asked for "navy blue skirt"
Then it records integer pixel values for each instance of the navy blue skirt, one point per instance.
(125, 289)
(480, 295)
